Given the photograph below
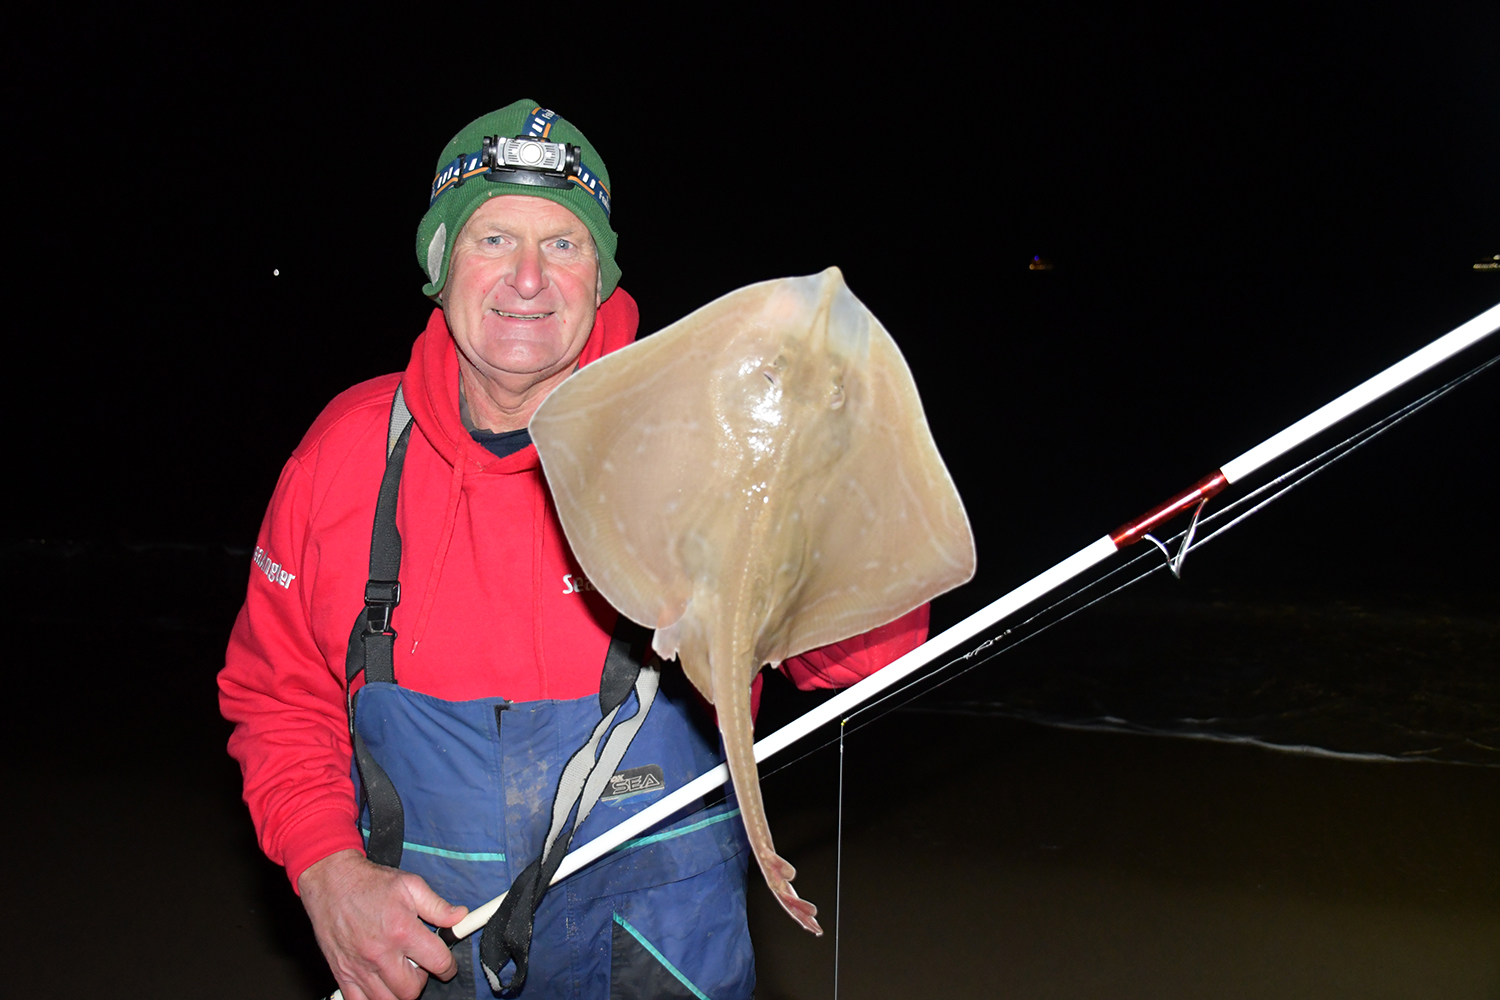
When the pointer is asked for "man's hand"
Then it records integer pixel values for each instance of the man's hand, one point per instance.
(368, 920)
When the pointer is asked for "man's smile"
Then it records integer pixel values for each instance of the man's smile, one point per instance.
(511, 315)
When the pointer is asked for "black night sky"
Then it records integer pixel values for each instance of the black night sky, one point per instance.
(1248, 213)
(1247, 216)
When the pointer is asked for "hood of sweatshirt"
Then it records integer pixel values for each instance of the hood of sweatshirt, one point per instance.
(430, 385)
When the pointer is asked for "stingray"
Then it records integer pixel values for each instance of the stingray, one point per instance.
(755, 481)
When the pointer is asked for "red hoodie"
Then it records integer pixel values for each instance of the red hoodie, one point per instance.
(492, 600)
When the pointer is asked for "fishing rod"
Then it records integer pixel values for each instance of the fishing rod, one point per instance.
(1194, 497)
(1081, 561)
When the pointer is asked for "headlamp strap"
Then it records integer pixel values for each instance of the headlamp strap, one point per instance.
(540, 123)
(538, 127)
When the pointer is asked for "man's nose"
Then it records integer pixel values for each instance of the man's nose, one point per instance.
(529, 275)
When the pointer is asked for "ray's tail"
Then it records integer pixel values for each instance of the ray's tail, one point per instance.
(734, 723)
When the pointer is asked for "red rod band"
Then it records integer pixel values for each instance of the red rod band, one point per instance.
(1204, 488)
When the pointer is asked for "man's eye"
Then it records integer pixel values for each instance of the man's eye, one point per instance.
(493, 241)
(564, 245)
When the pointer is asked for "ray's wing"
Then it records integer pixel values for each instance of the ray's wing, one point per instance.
(886, 530)
(870, 522)
(627, 449)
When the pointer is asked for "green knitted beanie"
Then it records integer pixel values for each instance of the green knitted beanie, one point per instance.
(460, 186)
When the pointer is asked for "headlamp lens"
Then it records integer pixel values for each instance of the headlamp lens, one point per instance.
(522, 153)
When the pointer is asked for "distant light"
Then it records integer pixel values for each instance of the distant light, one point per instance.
(275, 272)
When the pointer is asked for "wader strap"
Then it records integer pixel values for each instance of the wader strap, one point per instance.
(507, 935)
(373, 640)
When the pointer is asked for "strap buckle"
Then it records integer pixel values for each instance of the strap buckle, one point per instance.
(381, 598)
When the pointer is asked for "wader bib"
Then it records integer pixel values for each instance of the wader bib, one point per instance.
(466, 795)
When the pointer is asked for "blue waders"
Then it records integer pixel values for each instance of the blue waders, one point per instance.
(462, 794)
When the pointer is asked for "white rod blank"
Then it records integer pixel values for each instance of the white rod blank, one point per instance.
(1366, 392)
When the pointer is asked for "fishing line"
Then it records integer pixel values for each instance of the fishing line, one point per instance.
(1277, 487)
(838, 870)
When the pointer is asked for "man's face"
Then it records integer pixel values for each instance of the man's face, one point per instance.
(522, 290)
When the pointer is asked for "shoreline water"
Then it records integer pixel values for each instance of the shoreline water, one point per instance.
(1123, 726)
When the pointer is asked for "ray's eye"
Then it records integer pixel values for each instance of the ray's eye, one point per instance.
(774, 370)
(837, 398)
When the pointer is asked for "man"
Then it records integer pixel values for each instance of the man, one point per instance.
(464, 718)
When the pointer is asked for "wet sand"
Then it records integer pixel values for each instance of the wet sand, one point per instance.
(1029, 861)
(983, 856)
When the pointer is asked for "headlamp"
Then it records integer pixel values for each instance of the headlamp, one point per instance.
(524, 160)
